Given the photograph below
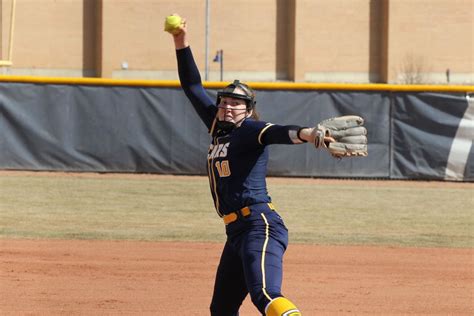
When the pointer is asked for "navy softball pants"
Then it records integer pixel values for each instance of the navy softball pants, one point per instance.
(251, 262)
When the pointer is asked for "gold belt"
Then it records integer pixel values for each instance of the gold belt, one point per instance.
(244, 212)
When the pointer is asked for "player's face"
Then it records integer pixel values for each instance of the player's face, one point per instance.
(232, 110)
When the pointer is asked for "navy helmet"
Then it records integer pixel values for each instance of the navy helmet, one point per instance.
(248, 96)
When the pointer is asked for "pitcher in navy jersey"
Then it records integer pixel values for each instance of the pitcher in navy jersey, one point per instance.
(252, 258)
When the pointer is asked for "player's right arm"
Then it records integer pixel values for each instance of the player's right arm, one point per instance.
(191, 79)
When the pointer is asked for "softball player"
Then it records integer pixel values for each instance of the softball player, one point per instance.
(257, 238)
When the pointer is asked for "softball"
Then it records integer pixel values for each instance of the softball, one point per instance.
(172, 24)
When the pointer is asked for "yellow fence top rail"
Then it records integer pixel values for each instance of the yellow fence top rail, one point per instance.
(254, 85)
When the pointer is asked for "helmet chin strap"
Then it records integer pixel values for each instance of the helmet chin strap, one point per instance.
(226, 126)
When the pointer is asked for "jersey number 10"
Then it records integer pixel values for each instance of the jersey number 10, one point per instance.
(223, 168)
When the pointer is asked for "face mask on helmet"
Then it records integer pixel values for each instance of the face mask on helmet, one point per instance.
(229, 91)
(248, 96)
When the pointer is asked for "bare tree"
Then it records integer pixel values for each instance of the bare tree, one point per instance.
(413, 69)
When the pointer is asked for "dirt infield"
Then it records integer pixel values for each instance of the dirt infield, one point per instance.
(160, 278)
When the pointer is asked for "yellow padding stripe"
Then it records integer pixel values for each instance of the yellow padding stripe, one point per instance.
(263, 131)
(354, 87)
(254, 85)
(91, 81)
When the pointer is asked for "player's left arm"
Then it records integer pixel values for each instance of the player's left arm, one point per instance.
(343, 136)
(281, 134)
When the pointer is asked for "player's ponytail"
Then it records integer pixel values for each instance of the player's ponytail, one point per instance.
(255, 115)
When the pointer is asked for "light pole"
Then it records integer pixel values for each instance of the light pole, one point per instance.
(206, 51)
(220, 59)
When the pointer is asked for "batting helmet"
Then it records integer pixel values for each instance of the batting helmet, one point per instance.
(229, 91)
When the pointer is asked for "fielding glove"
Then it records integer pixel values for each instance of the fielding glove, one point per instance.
(343, 136)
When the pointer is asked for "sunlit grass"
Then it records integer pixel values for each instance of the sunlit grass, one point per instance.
(180, 208)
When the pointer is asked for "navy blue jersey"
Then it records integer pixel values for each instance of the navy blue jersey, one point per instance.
(237, 166)
(236, 160)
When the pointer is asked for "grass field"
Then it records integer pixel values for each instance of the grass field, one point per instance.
(329, 212)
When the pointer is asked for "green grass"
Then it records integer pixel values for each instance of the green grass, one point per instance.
(180, 208)
(377, 214)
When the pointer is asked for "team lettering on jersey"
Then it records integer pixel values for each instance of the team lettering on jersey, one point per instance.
(220, 151)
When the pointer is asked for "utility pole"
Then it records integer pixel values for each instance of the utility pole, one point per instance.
(219, 58)
(206, 52)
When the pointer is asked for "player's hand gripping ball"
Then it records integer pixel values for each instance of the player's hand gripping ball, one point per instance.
(343, 136)
(173, 23)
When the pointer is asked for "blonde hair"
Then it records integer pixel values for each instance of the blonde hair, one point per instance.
(255, 115)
